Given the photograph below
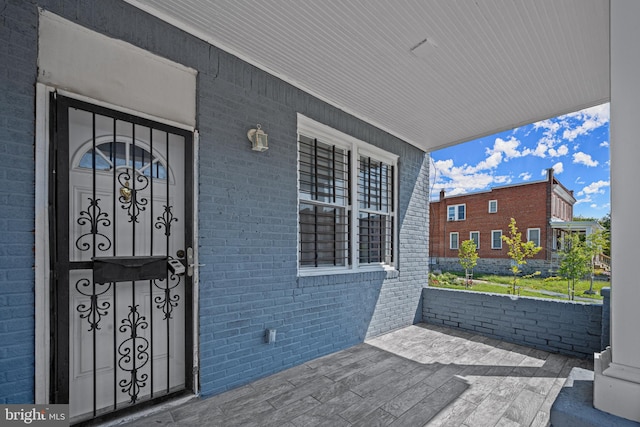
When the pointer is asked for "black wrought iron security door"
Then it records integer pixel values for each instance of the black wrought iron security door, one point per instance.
(121, 317)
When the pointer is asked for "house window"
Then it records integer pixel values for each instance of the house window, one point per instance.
(375, 213)
(456, 212)
(122, 154)
(453, 240)
(346, 201)
(496, 239)
(533, 235)
(493, 206)
(475, 236)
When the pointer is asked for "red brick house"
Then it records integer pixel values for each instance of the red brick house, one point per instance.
(543, 211)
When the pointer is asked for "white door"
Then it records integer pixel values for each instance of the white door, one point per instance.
(128, 310)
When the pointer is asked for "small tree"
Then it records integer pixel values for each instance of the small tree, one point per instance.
(596, 243)
(519, 251)
(575, 263)
(468, 257)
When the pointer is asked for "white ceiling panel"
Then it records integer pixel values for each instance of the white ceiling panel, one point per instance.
(487, 65)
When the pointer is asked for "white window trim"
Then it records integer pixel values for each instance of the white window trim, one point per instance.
(451, 240)
(471, 238)
(328, 135)
(493, 201)
(456, 212)
(529, 230)
(496, 231)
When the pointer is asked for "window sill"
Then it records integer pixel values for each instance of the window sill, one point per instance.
(391, 272)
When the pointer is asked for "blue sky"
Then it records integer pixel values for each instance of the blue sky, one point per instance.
(575, 145)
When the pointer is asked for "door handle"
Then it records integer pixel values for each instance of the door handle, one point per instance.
(190, 263)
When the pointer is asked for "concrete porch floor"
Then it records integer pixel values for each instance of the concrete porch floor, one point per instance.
(421, 375)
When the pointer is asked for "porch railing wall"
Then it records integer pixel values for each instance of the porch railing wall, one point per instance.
(571, 328)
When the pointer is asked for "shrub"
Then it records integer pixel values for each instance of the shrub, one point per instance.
(443, 279)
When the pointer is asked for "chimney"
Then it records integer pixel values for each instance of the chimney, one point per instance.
(441, 194)
(550, 175)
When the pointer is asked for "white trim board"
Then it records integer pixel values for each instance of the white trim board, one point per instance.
(75, 58)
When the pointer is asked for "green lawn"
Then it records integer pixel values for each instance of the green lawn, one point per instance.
(527, 287)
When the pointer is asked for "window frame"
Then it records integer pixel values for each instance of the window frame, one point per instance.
(493, 240)
(357, 148)
(451, 234)
(456, 209)
(471, 233)
(496, 204)
(529, 230)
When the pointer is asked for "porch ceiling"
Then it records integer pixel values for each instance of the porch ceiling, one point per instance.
(486, 65)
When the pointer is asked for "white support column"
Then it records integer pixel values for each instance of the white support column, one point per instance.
(617, 370)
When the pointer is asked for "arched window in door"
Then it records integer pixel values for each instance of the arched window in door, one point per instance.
(122, 153)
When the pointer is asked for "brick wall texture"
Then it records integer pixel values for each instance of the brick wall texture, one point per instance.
(571, 328)
(247, 210)
(18, 54)
(500, 266)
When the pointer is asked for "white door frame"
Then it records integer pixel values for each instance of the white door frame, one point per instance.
(42, 241)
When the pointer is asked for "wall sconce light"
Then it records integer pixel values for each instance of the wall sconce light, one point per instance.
(258, 139)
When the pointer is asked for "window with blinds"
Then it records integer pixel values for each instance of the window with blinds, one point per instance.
(346, 201)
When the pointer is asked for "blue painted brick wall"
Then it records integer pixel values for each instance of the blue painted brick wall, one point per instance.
(606, 318)
(571, 328)
(247, 210)
(18, 42)
(249, 236)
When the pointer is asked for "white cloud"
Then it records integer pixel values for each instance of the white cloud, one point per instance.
(502, 179)
(508, 147)
(491, 162)
(584, 159)
(525, 176)
(579, 180)
(586, 199)
(541, 150)
(549, 139)
(558, 168)
(568, 128)
(604, 144)
(463, 179)
(594, 188)
(588, 119)
(563, 150)
(550, 126)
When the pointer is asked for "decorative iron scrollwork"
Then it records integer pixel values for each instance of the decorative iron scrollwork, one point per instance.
(167, 302)
(133, 353)
(95, 218)
(95, 310)
(165, 220)
(129, 198)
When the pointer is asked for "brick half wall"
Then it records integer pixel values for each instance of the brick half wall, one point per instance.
(499, 266)
(565, 327)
